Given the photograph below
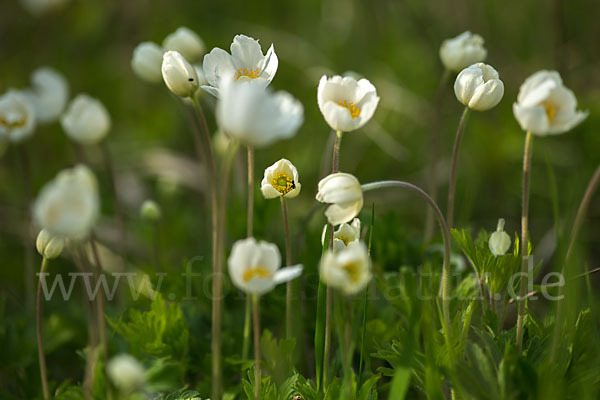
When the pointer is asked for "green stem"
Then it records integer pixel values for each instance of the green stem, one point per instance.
(288, 260)
(257, 372)
(250, 208)
(25, 161)
(40, 340)
(452, 183)
(122, 245)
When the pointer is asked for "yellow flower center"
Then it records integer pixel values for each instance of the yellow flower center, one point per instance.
(260, 272)
(283, 183)
(351, 107)
(550, 110)
(352, 269)
(18, 123)
(246, 73)
(344, 239)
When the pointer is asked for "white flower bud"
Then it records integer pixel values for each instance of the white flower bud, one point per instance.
(479, 87)
(49, 94)
(49, 246)
(186, 42)
(345, 195)
(179, 75)
(147, 61)
(150, 210)
(126, 372)
(86, 120)
(460, 52)
(499, 241)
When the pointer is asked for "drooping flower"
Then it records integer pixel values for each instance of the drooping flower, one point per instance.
(246, 63)
(346, 104)
(344, 194)
(479, 87)
(464, 50)
(348, 269)
(280, 179)
(49, 94)
(126, 372)
(17, 116)
(147, 61)
(346, 234)
(499, 242)
(186, 42)
(86, 120)
(49, 246)
(545, 106)
(179, 75)
(257, 116)
(254, 267)
(68, 205)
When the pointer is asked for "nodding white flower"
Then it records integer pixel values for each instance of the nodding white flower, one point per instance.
(147, 61)
(479, 87)
(545, 106)
(68, 205)
(346, 104)
(186, 42)
(49, 246)
(257, 117)
(86, 120)
(49, 94)
(17, 116)
(280, 179)
(150, 210)
(348, 270)
(126, 372)
(254, 267)
(346, 234)
(499, 241)
(245, 63)
(464, 50)
(179, 75)
(345, 195)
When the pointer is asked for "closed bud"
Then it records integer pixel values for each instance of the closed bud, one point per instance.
(186, 42)
(86, 120)
(147, 61)
(499, 241)
(49, 246)
(150, 210)
(179, 75)
(126, 372)
(460, 52)
(479, 87)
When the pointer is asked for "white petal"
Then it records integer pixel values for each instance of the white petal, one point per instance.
(217, 62)
(533, 119)
(246, 52)
(286, 274)
(339, 213)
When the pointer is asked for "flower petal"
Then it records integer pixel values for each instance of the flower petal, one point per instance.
(286, 274)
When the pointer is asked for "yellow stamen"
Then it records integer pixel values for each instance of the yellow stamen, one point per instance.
(283, 183)
(353, 271)
(260, 272)
(351, 107)
(344, 239)
(550, 110)
(247, 73)
(13, 124)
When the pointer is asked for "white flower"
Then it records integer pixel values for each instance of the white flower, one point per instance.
(68, 205)
(348, 269)
(245, 63)
(346, 234)
(499, 241)
(200, 73)
(179, 75)
(147, 61)
(126, 372)
(254, 266)
(545, 106)
(462, 51)
(49, 94)
(280, 179)
(345, 195)
(39, 7)
(150, 210)
(479, 87)
(346, 104)
(49, 246)
(17, 116)
(257, 116)
(186, 42)
(86, 120)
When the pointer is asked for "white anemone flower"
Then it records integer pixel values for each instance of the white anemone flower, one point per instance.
(186, 42)
(280, 179)
(254, 267)
(344, 194)
(348, 270)
(257, 116)
(17, 116)
(545, 106)
(147, 60)
(126, 372)
(346, 104)
(49, 94)
(86, 120)
(499, 242)
(346, 234)
(479, 87)
(68, 206)
(464, 50)
(246, 63)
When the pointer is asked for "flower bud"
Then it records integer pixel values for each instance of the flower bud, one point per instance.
(479, 87)
(186, 42)
(86, 120)
(179, 75)
(147, 61)
(460, 52)
(126, 372)
(499, 241)
(49, 246)
(150, 210)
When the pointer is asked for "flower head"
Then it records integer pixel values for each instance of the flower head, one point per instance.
(545, 106)
(17, 116)
(479, 87)
(49, 246)
(346, 104)
(126, 372)
(68, 205)
(49, 94)
(346, 234)
(86, 120)
(147, 61)
(345, 195)
(464, 50)
(280, 179)
(150, 210)
(499, 241)
(254, 267)
(348, 269)
(245, 63)
(179, 75)
(186, 42)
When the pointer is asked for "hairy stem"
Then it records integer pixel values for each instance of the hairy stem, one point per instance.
(452, 182)
(256, 319)
(40, 340)
(288, 262)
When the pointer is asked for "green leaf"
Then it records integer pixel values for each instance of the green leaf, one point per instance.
(400, 383)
